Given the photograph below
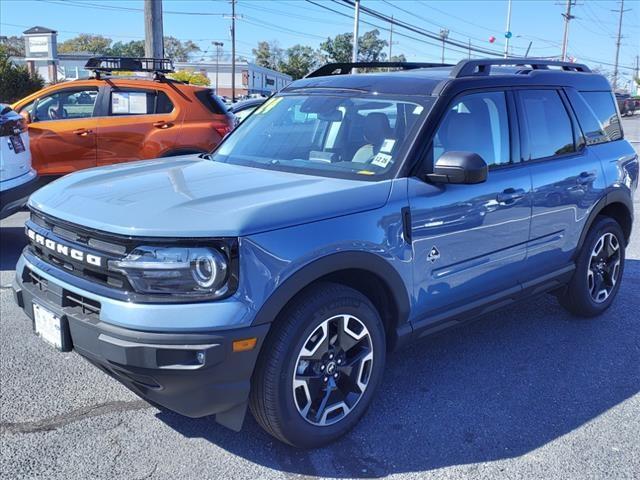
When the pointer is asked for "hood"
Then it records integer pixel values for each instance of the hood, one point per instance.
(188, 196)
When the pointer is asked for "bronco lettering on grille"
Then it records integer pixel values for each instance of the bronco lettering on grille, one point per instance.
(64, 250)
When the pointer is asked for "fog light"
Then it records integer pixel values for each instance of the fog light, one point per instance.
(200, 358)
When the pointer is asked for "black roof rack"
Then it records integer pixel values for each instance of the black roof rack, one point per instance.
(158, 66)
(344, 68)
(468, 68)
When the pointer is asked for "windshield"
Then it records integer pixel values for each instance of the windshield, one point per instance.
(336, 135)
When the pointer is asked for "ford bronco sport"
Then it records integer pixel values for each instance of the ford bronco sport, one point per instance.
(346, 216)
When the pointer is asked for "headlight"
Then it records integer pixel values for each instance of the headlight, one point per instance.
(189, 271)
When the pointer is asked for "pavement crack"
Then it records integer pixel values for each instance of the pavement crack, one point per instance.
(57, 421)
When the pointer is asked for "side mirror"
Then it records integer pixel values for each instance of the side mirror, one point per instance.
(459, 167)
(26, 115)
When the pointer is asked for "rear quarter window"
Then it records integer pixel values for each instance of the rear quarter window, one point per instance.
(211, 101)
(603, 125)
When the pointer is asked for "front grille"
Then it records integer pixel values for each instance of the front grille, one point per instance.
(86, 241)
(61, 297)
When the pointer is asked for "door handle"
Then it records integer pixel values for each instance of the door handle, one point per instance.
(510, 195)
(585, 177)
(162, 124)
(82, 132)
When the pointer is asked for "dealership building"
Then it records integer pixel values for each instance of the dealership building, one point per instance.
(41, 56)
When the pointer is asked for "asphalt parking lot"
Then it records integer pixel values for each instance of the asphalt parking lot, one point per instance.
(528, 392)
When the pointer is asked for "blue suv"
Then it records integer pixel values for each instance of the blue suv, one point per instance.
(348, 215)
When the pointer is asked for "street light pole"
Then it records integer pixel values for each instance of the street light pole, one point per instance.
(218, 45)
(565, 37)
(233, 51)
(507, 30)
(444, 34)
(618, 41)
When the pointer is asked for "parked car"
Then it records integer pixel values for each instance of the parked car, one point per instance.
(108, 119)
(346, 217)
(244, 108)
(17, 178)
(626, 104)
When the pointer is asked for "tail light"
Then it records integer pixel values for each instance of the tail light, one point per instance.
(223, 128)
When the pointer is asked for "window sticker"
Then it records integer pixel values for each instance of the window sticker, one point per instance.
(418, 110)
(366, 172)
(381, 160)
(119, 102)
(387, 145)
(137, 102)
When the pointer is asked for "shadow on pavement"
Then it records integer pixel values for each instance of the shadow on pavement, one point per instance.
(494, 389)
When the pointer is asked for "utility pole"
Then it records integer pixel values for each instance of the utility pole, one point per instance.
(218, 46)
(618, 41)
(356, 21)
(444, 34)
(565, 37)
(153, 36)
(233, 51)
(507, 30)
(469, 50)
(391, 37)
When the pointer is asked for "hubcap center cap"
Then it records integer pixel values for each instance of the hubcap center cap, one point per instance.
(331, 368)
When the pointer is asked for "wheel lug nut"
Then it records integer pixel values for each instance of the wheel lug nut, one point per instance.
(335, 375)
(326, 379)
(331, 356)
(339, 361)
(321, 367)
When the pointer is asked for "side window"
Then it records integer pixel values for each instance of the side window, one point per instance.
(139, 102)
(603, 107)
(476, 123)
(547, 122)
(65, 104)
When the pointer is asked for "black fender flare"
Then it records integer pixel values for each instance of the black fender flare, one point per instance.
(614, 196)
(333, 263)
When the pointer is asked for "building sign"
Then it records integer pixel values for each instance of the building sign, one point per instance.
(39, 44)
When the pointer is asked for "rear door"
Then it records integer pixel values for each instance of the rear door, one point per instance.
(567, 178)
(63, 130)
(141, 123)
(469, 241)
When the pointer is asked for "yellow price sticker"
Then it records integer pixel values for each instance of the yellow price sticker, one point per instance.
(366, 172)
(268, 105)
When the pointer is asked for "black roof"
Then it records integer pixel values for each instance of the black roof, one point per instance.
(468, 74)
(37, 29)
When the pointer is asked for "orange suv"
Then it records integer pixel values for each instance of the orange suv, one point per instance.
(109, 119)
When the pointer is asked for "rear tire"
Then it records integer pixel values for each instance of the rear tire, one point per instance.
(319, 367)
(599, 268)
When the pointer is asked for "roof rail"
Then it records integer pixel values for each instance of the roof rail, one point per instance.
(467, 68)
(158, 66)
(344, 68)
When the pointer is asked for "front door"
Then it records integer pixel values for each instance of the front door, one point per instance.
(62, 131)
(469, 241)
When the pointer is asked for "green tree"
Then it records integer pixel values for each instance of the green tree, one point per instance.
(14, 45)
(134, 48)
(178, 50)
(15, 80)
(191, 77)
(85, 42)
(339, 49)
(298, 61)
(268, 54)
(398, 58)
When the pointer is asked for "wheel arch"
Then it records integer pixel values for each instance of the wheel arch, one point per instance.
(618, 205)
(366, 272)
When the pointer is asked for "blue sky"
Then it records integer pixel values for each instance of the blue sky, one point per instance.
(592, 34)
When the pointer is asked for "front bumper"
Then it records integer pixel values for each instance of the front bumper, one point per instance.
(194, 374)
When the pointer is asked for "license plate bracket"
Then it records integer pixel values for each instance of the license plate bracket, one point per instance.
(52, 328)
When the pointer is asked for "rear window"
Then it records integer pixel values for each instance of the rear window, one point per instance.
(603, 107)
(211, 101)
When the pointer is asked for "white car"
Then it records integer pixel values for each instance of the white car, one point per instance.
(17, 178)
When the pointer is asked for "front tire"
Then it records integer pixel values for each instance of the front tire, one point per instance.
(320, 366)
(599, 268)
